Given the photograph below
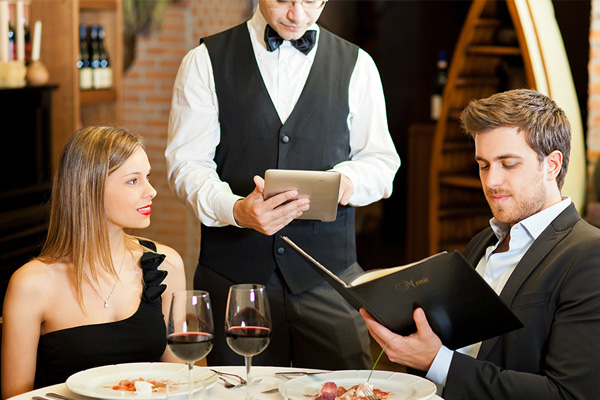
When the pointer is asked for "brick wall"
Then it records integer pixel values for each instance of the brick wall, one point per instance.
(593, 122)
(147, 88)
(147, 93)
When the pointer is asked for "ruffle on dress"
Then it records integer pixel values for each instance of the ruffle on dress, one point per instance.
(153, 277)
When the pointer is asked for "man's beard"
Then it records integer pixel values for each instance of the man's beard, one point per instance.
(521, 207)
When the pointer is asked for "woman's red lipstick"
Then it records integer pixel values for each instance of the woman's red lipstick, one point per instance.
(146, 210)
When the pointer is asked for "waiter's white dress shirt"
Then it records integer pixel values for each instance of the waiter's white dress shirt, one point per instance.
(194, 130)
(496, 268)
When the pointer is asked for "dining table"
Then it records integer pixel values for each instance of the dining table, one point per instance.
(267, 386)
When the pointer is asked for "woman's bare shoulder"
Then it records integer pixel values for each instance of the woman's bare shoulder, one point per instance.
(35, 272)
(172, 256)
(36, 279)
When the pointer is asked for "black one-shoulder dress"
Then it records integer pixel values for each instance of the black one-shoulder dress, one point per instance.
(139, 338)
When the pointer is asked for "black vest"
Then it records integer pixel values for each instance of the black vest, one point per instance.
(315, 137)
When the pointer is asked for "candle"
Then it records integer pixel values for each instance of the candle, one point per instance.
(3, 30)
(37, 37)
(20, 31)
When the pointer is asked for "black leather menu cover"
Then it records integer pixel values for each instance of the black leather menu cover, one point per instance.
(460, 306)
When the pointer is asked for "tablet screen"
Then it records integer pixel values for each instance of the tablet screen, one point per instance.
(322, 187)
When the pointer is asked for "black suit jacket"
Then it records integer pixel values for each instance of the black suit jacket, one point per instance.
(555, 292)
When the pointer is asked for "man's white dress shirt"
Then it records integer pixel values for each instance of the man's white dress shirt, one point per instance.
(194, 130)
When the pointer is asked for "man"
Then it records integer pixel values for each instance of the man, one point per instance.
(539, 256)
(280, 92)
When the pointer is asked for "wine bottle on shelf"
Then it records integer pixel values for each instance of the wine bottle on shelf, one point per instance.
(440, 83)
(12, 39)
(21, 21)
(27, 32)
(27, 44)
(12, 48)
(83, 63)
(95, 58)
(106, 75)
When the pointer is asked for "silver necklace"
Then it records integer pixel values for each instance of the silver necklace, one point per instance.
(114, 286)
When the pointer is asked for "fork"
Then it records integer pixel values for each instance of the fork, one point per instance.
(242, 380)
(368, 392)
(230, 385)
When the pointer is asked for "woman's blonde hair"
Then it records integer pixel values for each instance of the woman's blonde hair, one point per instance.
(78, 222)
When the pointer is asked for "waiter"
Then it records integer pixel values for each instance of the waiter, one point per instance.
(280, 92)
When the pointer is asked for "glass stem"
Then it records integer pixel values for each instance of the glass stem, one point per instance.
(190, 383)
(248, 362)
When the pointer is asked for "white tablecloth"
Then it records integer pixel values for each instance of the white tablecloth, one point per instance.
(217, 392)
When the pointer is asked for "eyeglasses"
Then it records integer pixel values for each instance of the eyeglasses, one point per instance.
(306, 4)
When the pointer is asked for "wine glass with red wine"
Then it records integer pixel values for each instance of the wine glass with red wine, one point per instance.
(248, 323)
(190, 331)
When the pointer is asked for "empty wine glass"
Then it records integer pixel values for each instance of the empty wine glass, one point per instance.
(190, 330)
(248, 323)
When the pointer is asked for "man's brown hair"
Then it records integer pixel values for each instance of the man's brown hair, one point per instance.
(544, 124)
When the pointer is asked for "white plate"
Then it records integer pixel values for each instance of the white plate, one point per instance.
(404, 386)
(97, 382)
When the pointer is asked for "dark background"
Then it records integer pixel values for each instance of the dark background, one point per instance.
(404, 38)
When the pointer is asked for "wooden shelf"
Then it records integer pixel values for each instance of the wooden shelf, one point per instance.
(28, 217)
(98, 5)
(493, 50)
(456, 145)
(454, 114)
(87, 97)
(488, 22)
(453, 245)
(464, 212)
(470, 81)
(461, 181)
(24, 192)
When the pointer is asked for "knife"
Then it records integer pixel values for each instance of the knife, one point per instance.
(58, 396)
(297, 373)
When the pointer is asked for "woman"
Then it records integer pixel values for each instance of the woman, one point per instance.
(95, 295)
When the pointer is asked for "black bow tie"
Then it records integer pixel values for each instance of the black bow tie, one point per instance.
(304, 44)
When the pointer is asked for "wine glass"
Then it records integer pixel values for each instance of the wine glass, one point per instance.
(190, 331)
(247, 323)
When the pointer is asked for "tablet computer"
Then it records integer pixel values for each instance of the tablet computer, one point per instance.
(321, 187)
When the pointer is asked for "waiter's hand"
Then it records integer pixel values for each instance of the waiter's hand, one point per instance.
(268, 216)
(346, 190)
(417, 350)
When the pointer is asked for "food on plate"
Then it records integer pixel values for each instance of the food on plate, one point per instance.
(330, 391)
(144, 386)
